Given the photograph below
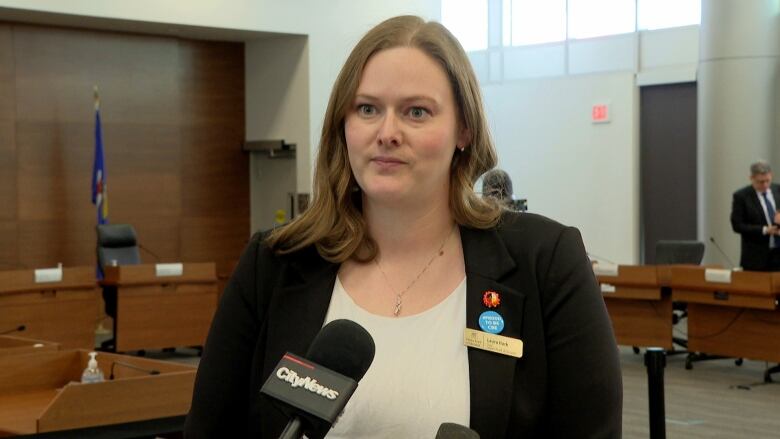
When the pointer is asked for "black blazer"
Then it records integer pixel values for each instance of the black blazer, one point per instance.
(567, 384)
(748, 219)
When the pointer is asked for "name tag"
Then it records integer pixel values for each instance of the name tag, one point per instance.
(493, 343)
(161, 270)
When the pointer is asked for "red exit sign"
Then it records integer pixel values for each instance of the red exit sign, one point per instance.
(599, 113)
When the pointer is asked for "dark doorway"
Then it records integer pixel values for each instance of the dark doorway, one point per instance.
(667, 165)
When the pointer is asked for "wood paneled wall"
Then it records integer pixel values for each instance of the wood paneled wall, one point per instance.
(172, 115)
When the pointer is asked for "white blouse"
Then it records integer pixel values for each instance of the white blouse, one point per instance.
(420, 374)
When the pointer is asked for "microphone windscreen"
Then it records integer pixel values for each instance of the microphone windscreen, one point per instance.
(344, 347)
(449, 430)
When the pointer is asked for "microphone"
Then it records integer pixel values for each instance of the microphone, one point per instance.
(722, 253)
(154, 255)
(449, 430)
(131, 366)
(314, 390)
(19, 328)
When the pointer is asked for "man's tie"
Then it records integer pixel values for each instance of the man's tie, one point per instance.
(770, 211)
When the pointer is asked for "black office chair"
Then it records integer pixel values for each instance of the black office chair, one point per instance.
(678, 252)
(116, 245)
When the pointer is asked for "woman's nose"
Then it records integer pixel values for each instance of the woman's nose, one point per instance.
(389, 132)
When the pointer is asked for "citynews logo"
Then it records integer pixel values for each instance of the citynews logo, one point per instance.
(308, 383)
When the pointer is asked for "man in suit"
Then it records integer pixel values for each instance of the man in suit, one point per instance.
(755, 217)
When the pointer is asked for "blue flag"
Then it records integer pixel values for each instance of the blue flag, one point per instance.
(99, 193)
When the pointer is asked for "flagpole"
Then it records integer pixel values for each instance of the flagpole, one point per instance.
(97, 98)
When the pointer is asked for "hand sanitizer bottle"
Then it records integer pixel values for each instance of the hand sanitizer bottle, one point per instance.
(92, 374)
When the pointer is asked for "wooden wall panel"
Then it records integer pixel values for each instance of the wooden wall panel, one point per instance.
(9, 235)
(54, 164)
(57, 68)
(46, 243)
(173, 124)
(7, 131)
(215, 206)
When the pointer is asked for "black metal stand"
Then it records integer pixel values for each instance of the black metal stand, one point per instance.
(655, 362)
(768, 373)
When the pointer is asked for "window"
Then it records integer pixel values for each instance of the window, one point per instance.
(468, 21)
(533, 21)
(595, 18)
(659, 14)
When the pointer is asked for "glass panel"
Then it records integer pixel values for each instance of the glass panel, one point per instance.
(506, 23)
(535, 22)
(468, 21)
(595, 18)
(659, 14)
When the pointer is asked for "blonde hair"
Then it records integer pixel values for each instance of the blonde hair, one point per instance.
(334, 222)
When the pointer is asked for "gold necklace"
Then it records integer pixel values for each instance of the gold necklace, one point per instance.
(399, 296)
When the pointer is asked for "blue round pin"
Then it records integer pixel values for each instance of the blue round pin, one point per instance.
(491, 322)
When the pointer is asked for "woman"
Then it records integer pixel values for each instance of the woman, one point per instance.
(397, 240)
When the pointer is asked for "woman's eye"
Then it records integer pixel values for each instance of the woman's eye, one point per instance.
(366, 110)
(418, 112)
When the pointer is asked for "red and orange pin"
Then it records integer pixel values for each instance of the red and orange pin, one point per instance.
(491, 299)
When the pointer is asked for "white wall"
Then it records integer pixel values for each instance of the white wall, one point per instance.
(571, 170)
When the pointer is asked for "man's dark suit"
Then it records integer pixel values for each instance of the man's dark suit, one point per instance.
(748, 218)
(567, 383)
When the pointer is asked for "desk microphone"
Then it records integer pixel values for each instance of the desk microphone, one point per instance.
(722, 253)
(131, 366)
(19, 328)
(449, 430)
(313, 390)
(154, 255)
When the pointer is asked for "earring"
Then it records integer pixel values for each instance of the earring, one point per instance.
(461, 148)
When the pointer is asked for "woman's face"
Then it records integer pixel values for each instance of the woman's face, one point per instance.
(402, 129)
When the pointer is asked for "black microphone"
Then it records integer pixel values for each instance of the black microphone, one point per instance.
(722, 253)
(156, 258)
(314, 390)
(131, 366)
(449, 430)
(19, 328)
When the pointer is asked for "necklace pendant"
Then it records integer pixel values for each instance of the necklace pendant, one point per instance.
(397, 309)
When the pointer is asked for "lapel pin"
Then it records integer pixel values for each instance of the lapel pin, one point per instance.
(491, 322)
(491, 299)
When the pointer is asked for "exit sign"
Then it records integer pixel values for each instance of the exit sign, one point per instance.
(599, 113)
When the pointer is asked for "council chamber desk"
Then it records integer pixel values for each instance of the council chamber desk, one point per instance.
(639, 305)
(64, 311)
(155, 311)
(40, 395)
(730, 313)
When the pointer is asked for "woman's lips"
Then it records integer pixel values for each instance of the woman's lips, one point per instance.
(387, 162)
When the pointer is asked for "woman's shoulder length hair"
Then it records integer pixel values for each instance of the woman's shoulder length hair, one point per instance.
(334, 222)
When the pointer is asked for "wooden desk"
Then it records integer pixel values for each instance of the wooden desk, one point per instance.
(159, 312)
(737, 319)
(639, 307)
(63, 312)
(40, 392)
(12, 345)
